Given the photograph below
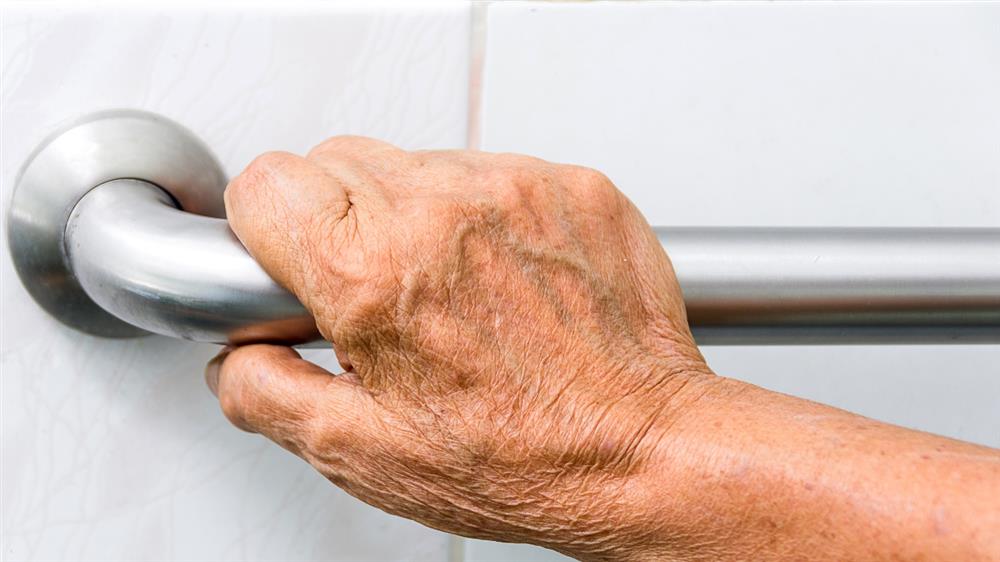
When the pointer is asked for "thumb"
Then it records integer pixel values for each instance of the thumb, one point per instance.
(271, 390)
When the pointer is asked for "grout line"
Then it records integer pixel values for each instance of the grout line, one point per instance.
(477, 55)
(456, 548)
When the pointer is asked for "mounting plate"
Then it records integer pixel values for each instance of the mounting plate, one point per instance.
(97, 148)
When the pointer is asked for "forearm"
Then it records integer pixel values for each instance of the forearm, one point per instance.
(753, 474)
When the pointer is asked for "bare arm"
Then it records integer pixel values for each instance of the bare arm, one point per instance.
(519, 368)
(770, 476)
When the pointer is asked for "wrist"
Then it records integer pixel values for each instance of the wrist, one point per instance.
(747, 473)
(652, 512)
(682, 508)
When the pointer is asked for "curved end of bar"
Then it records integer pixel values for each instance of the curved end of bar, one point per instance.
(174, 273)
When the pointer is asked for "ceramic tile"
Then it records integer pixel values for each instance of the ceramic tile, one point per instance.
(487, 551)
(777, 113)
(115, 450)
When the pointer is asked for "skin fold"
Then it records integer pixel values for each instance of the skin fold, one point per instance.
(518, 367)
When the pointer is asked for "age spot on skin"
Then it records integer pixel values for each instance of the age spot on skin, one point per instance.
(940, 521)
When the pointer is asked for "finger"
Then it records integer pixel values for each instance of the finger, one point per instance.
(271, 390)
(275, 207)
(374, 164)
(362, 151)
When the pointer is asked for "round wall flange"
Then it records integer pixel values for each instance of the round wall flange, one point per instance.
(95, 149)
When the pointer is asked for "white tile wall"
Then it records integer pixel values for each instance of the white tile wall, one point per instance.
(711, 113)
(115, 450)
(776, 113)
(783, 113)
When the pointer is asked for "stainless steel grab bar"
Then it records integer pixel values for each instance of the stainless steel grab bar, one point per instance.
(175, 273)
(838, 285)
(99, 238)
(183, 275)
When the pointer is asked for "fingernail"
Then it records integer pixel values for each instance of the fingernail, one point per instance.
(212, 370)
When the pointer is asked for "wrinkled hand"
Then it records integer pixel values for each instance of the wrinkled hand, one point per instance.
(514, 339)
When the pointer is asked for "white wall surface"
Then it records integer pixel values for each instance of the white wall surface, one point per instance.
(710, 113)
(116, 450)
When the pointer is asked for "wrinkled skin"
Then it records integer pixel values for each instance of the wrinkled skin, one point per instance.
(518, 367)
(516, 339)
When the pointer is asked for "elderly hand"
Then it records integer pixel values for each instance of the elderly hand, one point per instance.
(518, 362)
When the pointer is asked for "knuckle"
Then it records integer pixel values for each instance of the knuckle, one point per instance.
(510, 193)
(594, 192)
(269, 164)
(520, 161)
(520, 184)
(260, 173)
(349, 145)
(591, 184)
(335, 144)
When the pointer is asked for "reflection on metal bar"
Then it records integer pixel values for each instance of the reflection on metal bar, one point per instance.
(184, 275)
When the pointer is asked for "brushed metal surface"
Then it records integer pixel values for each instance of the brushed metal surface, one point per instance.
(117, 228)
(187, 276)
(752, 285)
(176, 273)
(85, 153)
